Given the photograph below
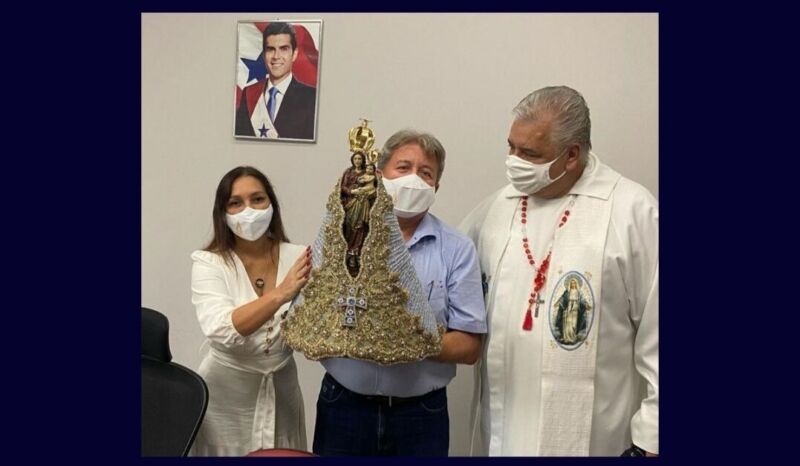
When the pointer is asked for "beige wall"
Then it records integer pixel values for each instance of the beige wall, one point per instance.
(455, 75)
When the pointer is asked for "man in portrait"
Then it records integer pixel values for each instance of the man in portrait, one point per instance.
(278, 106)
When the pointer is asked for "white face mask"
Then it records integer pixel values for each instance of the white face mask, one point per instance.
(529, 177)
(410, 194)
(250, 224)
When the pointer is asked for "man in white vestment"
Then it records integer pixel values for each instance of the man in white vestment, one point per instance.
(568, 252)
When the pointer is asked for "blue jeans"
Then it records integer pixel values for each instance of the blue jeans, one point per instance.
(350, 424)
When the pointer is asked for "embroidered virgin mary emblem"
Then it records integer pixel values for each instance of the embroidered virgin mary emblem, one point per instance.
(572, 310)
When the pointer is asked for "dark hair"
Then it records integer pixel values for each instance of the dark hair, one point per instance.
(224, 239)
(276, 28)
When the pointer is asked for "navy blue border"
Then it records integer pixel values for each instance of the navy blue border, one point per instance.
(80, 113)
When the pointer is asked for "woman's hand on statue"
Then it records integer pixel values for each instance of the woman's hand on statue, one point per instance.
(296, 277)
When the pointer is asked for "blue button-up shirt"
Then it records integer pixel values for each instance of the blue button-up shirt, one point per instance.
(447, 266)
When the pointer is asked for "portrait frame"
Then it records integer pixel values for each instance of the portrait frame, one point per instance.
(286, 110)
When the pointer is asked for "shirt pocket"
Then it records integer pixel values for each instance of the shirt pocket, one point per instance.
(437, 298)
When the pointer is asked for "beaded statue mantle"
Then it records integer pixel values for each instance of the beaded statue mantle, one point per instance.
(382, 314)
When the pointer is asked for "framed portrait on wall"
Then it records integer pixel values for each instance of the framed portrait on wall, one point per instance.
(277, 80)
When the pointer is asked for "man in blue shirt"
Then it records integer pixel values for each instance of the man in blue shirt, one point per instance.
(365, 409)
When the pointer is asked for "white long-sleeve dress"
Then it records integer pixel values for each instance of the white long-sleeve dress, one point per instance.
(254, 395)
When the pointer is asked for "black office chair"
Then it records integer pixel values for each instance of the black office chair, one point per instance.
(155, 335)
(174, 398)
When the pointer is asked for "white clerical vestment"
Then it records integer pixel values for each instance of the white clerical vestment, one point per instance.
(584, 379)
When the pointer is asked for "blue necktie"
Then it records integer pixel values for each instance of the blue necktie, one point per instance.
(272, 103)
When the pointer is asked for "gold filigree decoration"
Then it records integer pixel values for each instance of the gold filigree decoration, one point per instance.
(361, 137)
(386, 332)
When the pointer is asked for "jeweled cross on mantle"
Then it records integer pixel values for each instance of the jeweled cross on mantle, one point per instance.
(350, 302)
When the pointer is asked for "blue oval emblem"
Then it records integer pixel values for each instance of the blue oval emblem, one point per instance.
(571, 310)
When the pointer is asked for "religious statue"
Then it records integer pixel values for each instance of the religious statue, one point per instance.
(358, 193)
(357, 205)
(363, 299)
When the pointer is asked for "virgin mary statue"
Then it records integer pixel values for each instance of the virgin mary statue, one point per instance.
(363, 299)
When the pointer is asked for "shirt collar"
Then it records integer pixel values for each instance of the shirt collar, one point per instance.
(282, 86)
(426, 228)
(597, 180)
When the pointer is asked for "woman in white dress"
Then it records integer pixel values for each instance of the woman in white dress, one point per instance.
(242, 284)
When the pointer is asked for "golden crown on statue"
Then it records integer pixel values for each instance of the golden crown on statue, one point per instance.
(361, 140)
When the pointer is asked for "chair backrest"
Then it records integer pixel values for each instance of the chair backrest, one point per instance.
(174, 398)
(155, 335)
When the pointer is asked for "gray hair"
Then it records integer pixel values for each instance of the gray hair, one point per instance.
(429, 144)
(567, 108)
